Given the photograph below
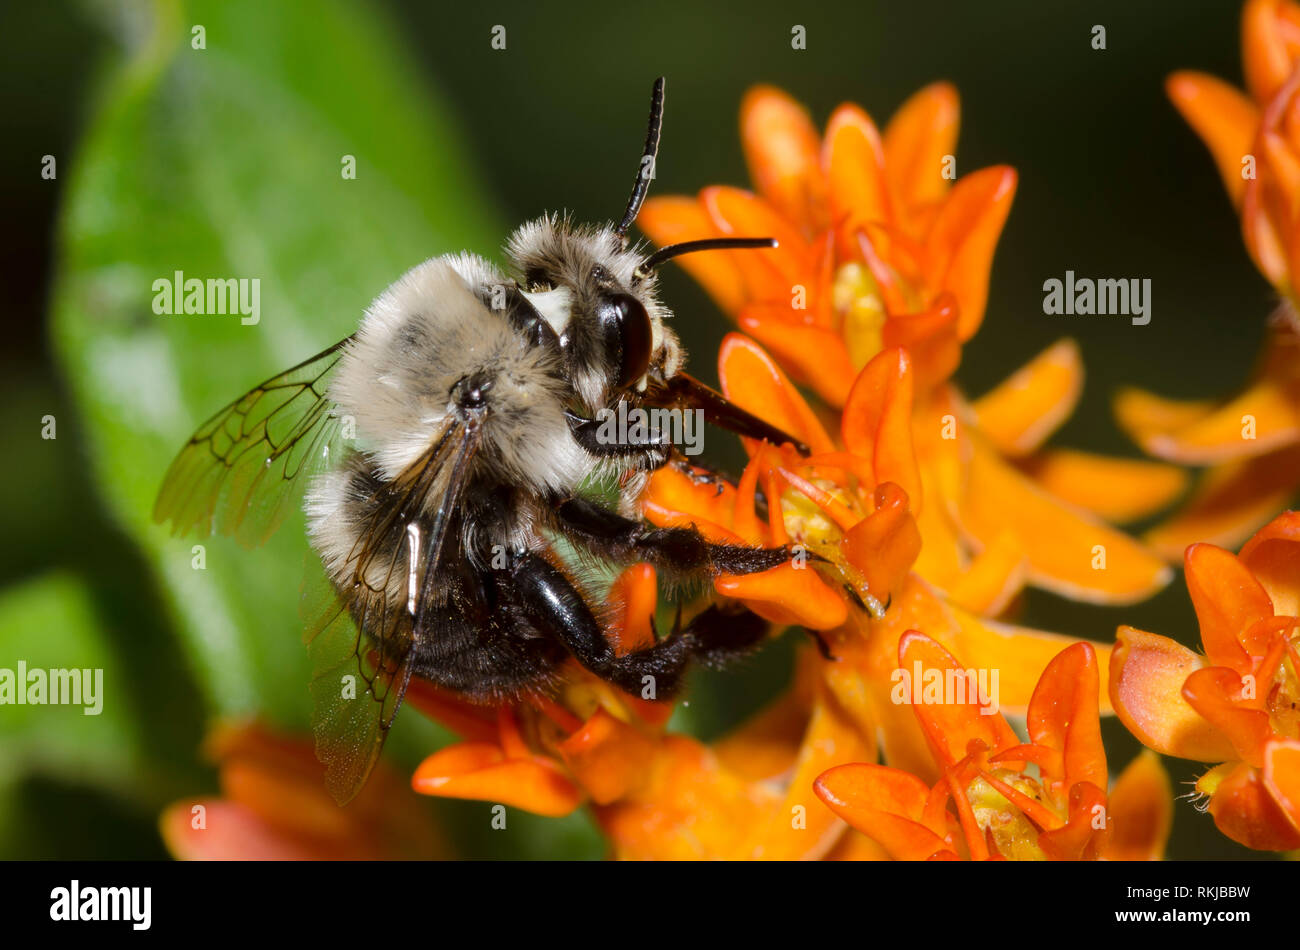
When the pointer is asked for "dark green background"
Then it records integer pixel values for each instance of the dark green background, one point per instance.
(1112, 183)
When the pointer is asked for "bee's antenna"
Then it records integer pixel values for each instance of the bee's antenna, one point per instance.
(647, 266)
(646, 169)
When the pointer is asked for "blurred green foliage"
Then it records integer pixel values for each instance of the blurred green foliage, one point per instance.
(225, 161)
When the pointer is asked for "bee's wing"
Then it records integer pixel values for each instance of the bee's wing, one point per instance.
(359, 678)
(242, 471)
(353, 679)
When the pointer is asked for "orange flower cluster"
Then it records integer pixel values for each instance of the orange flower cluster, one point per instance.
(999, 809)
(1251, 442)
(882, 246)
(1239, 703)
(922, 515)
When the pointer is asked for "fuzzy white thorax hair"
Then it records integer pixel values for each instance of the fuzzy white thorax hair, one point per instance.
(418, 339)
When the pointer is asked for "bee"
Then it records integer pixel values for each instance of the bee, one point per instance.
(443, 451)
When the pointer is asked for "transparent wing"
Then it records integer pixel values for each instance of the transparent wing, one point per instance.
(362, 635)
(242, 472)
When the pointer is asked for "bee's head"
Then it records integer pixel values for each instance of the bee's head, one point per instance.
(595, 291)
(603, 313)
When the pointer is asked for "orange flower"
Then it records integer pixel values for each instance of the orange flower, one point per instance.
(878, 247)
(274, 807)
(986, 804)
(1252, 441)
(850, 507)
(1237, 703)
(656, 795)
(881, 249)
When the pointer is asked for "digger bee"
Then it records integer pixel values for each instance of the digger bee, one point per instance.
(474, 395)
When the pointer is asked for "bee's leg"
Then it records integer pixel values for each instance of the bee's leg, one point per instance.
(558, 610)
(678, 550)
(644, 451)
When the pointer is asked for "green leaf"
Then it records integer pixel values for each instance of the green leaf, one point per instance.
(50, 624)
(226, 162)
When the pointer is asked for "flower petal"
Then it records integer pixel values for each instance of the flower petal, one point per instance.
(674, 497)
(232, 832)
(1020, 413)
(781, 146)
(884, 545)
(1147, 672)
(813, 354)
(1019, 654)
(1230, 502)
(930, 338)
(1273, 558)
(1268, 45)
(1245, 811)
(877, 421)
(670, 220)
(608, 757)
(853, 158)
(276, 806)
(769, 275)
(1068, 551)
(1147, 417)
(993, 579)
(764, 746)
(1063, 716)
(1263, 418)
(964, 237)
(1224, 118)
(1141, 810)
(467, 720)
(1229, 602)
(887, 805)
(831, 739)
(1114, 489)
(1282, 777)
(691, 809)
(949, 726)
(921, 134)
(480, 771)
(634, 596)
(1213, 693)
(1079, 839)
(753, 381)
(799, 595)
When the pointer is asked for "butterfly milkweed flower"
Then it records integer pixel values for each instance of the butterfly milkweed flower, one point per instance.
(655, 794)
(883, 248)
(274, 806)
(1251, 442)
(987, 803)
(1238, 702)
(851, 503)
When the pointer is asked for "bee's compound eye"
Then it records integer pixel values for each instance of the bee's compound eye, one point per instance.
(627, 334)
